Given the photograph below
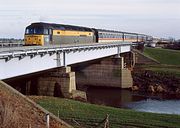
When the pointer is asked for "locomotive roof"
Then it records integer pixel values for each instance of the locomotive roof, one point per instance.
(58, 26)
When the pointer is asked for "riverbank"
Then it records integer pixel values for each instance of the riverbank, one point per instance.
(81, 114)
(150, 81)
(158, 78)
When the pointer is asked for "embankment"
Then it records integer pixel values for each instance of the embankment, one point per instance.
(18, 111)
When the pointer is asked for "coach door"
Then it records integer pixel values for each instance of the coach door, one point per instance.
(50, 35)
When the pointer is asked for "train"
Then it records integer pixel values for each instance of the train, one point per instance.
(42, 34)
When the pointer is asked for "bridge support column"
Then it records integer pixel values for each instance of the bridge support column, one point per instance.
(109, 72)
(60, 83)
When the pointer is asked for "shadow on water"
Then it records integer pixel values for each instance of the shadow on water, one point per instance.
(122, 98)
(111, 96)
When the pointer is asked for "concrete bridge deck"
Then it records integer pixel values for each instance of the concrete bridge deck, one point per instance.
(18, 61)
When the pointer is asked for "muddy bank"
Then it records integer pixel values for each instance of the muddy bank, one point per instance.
(155, 82)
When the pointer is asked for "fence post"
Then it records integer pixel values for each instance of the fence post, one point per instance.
(106, 124)
(58, 113)
(47, 120)
(29, 125)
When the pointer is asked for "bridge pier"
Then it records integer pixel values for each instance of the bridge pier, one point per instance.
(109, 72)
(60, 83)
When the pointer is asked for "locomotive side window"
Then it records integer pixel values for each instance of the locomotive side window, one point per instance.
(50, 31)
(46, 31)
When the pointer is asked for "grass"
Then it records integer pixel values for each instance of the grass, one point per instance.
(88, 115)
(167, 69)
(169, 60)
(164, 56)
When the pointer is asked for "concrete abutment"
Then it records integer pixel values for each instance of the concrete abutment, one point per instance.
(60, 83)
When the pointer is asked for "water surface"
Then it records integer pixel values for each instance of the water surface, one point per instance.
(156, 103)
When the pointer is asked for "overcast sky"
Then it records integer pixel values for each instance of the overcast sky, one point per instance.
(160, 18)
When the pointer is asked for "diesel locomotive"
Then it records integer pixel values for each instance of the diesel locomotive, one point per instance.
(49, 33)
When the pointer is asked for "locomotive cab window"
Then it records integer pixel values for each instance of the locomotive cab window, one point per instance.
(29, 31)
(34, 31)
(38, 31)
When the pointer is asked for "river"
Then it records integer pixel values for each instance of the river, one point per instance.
(156, 103)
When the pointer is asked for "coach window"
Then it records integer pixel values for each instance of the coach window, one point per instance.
(100, 35)
(109, 35)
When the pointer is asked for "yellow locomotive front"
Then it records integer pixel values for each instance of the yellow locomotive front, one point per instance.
(34, 39)
(36, 36)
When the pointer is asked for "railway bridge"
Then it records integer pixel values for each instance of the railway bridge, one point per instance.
(17, 61)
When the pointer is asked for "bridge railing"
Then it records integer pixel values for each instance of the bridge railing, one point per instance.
(6, 45)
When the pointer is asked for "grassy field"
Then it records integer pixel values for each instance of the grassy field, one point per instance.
(88, 115)
(167, 69)
(169, 60)
(164, 56)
